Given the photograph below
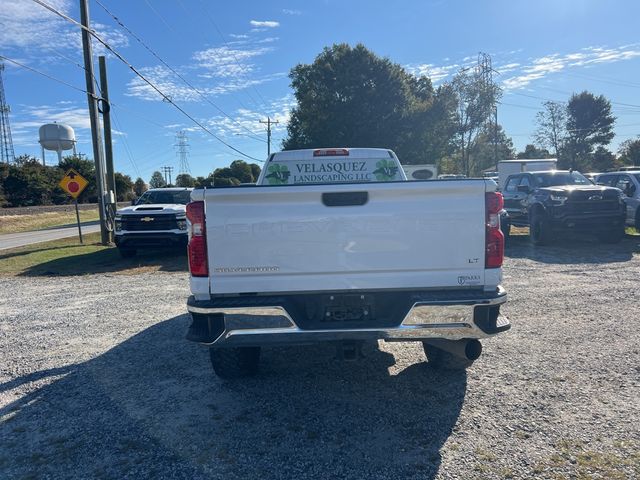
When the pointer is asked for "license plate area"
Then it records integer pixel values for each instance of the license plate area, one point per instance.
(348, 308)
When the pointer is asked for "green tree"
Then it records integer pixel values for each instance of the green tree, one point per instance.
(185, 180)
(476, 100)
(201, 182)
(629, 152)
(139, 187)
(27, 182)
(124, 187)
(589, 124)
(602, 160)
(483, 151)
(552, 127)
(531, 151)
(157, 180)
(351, 97)
(238, 172)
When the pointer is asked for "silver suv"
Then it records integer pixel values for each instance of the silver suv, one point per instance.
(629, 183)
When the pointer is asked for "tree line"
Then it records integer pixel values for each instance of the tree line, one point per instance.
(27, 182)
(236, 173)
(351, 97)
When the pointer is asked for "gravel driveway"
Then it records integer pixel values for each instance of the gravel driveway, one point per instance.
(96, 381)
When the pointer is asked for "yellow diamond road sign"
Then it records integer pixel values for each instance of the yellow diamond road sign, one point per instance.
(73, 183)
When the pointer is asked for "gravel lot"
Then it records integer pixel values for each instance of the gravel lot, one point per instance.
(96, 381)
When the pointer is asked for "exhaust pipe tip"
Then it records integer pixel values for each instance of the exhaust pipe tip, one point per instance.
(469, 349)
(473, 349)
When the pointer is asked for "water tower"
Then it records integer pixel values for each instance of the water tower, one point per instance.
(57, 137)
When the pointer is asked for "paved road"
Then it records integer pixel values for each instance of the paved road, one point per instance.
(12, 240)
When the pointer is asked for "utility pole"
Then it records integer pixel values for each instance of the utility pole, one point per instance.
(108, 146)
(167, 171)
(269, 122)
(92, 99)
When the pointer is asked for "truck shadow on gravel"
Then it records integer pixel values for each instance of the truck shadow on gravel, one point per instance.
(110, 261)
(573, 250)
(151, 407)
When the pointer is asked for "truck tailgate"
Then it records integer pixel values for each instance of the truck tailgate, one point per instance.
(346, 236)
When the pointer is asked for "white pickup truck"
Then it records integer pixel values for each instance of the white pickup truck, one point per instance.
(335, 245)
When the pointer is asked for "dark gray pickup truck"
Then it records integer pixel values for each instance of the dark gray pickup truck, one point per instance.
(558, 201)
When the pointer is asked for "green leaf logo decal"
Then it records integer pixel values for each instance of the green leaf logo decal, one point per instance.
(385, 170)
(278, 174)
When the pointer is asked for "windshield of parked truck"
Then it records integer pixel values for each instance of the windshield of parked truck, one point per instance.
(556, 179)
(164, 197)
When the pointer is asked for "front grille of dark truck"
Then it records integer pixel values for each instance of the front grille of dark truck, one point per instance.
(153, 221)
(587, 202)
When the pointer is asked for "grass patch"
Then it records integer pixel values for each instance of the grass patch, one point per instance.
(38, 221)
(67, 257)
(621, 461)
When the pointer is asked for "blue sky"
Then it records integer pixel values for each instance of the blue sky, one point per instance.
(238, 55)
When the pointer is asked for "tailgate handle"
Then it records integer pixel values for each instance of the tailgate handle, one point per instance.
(345, 199)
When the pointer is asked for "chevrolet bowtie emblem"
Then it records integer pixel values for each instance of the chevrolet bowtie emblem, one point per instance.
(147, 219)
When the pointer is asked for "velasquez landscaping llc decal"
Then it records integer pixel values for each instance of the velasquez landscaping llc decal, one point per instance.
(331, 171)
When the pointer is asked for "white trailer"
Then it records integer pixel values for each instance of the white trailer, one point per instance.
(511, 167)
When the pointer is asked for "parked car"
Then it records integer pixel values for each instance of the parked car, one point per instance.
(629, 183)
(156, 219)
(592, 176)
(558, 201)
(329, 246)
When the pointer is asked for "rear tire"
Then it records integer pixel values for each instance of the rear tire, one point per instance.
(442, 360)
(127, 252)
(237, 362)
(539, 229)
(505, 226)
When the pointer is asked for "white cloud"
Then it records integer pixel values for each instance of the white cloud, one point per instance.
(29, 27)
(228, 61)
(543, 66)
(264, 23)
(288, 11)
(249, 120)
(434, 72)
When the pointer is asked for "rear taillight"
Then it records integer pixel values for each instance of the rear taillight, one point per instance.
(197, 248)
(494, 242)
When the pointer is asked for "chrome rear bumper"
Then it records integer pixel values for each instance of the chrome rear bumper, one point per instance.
(250, 325)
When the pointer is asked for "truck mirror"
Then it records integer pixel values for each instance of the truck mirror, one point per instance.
(523, 188)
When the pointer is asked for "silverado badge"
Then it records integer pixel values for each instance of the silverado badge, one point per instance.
(147, 219)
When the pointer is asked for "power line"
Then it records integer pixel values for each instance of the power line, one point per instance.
(143, 78)
(43, 74)
(226, 44)
(125, 143)
(184, 80)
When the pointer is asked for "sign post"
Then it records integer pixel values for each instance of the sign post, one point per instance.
(73, 183)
